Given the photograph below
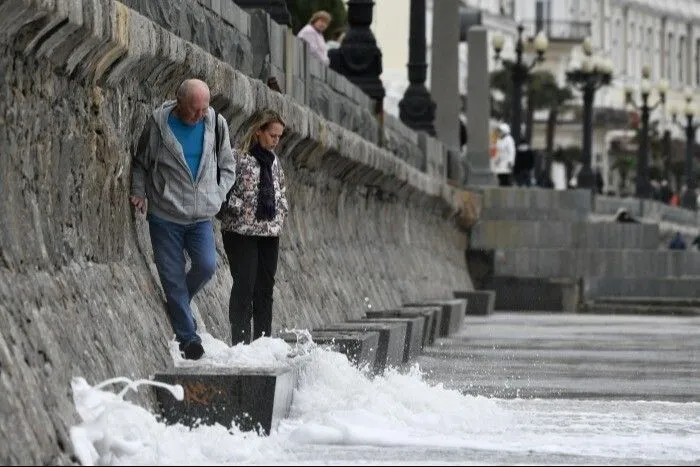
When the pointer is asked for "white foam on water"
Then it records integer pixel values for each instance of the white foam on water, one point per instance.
(338, 410)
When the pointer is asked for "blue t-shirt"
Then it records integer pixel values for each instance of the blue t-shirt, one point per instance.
(191, 138)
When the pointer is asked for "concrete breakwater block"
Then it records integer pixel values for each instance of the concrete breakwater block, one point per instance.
(251, 399)
(479, 302)
(430, 314)
(391, 340)
(453, 311)
(360, 347)
(536, 294)
(414, 333)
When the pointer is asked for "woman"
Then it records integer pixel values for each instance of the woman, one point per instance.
(312, 33)
(251, 221)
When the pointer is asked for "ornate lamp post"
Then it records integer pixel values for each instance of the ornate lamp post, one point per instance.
(689, 199)
(593, 73)
(417, 108)
(643, 187)
(520, 70)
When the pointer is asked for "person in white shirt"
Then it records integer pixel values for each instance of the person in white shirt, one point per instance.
(504, 159)
(312, 34)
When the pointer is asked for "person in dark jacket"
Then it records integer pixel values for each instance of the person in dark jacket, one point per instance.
(677, 242)
(251, 222)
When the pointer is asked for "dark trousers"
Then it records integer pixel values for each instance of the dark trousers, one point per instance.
(504, 180)
(253, 263)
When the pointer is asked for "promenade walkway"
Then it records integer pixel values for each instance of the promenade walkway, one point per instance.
(606, 357)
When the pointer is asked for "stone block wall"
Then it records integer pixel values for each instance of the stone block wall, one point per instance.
(79, 294)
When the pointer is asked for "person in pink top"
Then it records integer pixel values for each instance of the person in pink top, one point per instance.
(312, 33)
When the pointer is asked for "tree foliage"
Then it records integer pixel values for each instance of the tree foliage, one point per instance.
(541, 91)
(301, 11)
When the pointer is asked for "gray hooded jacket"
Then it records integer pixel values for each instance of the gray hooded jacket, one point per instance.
(160, 173)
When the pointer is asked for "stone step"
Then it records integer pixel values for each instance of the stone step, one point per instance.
(536, 199)
(535, 294)
(652, 210)
(533, 214)
(453, 311)
(639, 309)
(360, 347)
(676, 288)
(508, 234)
(248, 398)
(661, 301)
(479, 302)
(415, 326)
(392, 338)
(568, 263)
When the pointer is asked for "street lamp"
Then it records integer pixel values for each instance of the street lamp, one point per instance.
(592, 74)
(690, 111)
(643, 187)
(519, 71)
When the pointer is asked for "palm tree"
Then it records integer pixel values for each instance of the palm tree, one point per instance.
(542, 92)
(624, 164)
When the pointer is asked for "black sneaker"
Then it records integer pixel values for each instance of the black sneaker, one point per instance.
(193, 351)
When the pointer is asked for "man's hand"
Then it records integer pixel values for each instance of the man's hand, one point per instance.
(140, 203)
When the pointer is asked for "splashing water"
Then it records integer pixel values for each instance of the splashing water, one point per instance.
(341, 414)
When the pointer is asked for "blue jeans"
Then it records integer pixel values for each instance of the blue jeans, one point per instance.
(169, 241)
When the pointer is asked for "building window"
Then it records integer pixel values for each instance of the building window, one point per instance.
(631, 48)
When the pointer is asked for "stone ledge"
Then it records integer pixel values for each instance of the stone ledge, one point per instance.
(248, 398)
(431, 316)
(391, 340)
(453, 311)
(479, 302)
(360, 347)
(414, 333)
(135, 49)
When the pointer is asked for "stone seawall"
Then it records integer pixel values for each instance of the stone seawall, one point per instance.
(79, 294)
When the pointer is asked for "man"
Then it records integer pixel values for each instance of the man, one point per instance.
(312, 33)
(504, 158)
(180, 176)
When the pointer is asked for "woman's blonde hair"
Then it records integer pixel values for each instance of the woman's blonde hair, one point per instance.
(260, 120)
(320, 14)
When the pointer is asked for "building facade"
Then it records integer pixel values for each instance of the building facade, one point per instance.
(663, 35)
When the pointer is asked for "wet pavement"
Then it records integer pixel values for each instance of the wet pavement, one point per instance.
(577, 356)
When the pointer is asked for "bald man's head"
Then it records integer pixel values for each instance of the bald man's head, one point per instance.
(192, 101)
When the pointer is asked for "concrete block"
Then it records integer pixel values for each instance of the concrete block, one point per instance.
(430, 315)
(479, 302)
(414, 333)
(360, 347)
(453, 311)
(247, 398)
(535, 294)
(391, 340)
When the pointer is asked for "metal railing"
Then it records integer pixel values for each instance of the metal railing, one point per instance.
(559, 30)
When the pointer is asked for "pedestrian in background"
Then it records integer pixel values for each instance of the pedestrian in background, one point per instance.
(251, 222)
(180, 174)
(504, 158)
(312, 34)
